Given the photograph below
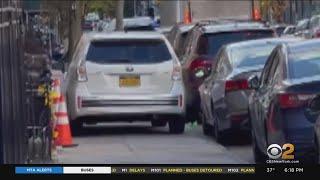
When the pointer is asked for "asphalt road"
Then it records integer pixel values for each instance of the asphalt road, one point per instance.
(139, 143)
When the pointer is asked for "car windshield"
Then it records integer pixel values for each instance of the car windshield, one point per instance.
(305, 63)
(128, 51)
(302, 25)
(210, 43)
(258, 55)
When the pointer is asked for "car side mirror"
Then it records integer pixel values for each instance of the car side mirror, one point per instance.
(312, 112)
(254, 82)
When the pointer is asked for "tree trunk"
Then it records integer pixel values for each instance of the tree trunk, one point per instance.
(119, 15)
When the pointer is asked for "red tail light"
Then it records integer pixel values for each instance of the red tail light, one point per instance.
(293, 100)
(79, 102)
(176, 73)
(317, 33)
(200, 63)
(199, 70)
(235, 85)
(180, 101)
(82, 73)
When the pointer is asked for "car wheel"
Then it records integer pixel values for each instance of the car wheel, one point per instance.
(259, 157)
(76, 127)
(176, 125)
(219, 135)
(192, 114)
(318, 152)
(207, 129)
(316, 159)
(158, 123)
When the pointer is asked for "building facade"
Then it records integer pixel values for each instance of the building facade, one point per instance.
(300, 9)
(173, 11)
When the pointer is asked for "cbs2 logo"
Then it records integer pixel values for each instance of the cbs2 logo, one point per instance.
(275, 151)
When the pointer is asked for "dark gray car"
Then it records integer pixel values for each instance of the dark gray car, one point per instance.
(224, 94)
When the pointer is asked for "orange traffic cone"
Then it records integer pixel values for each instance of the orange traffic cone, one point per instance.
(56, 95)
(62, 128)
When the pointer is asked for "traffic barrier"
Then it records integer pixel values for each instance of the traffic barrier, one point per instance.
(62, 128)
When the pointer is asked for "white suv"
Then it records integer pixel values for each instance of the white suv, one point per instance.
(125, 74)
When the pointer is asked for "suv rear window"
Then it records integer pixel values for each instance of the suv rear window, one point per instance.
(128, 51)
(210, 44)
(139, 28)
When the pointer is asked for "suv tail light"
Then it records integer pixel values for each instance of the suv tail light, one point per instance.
(176, 73)
(199, 69)
(235, 85)
(200, 63)
(289, 100)
(82, 73)
(317, 34)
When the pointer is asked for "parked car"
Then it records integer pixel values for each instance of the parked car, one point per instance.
(302, 28)
(133, 74)
(224, 94)
(313, 115)
(142, 23)
(277, 107)
(314, 28)
(289, 30)
(177, 37)
(88, 25)
(202, 45)
(279, 28)
(164, 30)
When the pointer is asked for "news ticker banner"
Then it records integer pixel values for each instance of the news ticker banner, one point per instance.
(133, 170)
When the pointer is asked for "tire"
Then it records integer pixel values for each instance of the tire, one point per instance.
(206, 128)
(259, 157)
(176, 125)
(158, 123)
(219, 135)
(192, 114)
(315, 159)
(76, 127)
(317, 152)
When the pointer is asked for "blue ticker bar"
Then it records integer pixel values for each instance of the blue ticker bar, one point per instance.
(39, 170)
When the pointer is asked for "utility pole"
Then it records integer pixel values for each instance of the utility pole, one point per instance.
(119, 15)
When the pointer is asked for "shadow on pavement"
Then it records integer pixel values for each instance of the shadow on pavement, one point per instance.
(116, 129)
(238, 138)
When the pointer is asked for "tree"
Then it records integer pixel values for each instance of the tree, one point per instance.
(107, 7)
(66, 15)
(119, 15)
(277, 8)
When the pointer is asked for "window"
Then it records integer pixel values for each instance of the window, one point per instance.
(128, 51)
(181, 44)
(211, 43)
(271, 77)
(257, 56)
(304, 63)
(223, 65)
(266, 71)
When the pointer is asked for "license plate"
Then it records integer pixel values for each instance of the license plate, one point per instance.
(129, 81)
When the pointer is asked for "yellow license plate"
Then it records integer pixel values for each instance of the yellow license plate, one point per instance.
(129, 81)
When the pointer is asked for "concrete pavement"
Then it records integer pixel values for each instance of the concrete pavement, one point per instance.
(139, 143)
